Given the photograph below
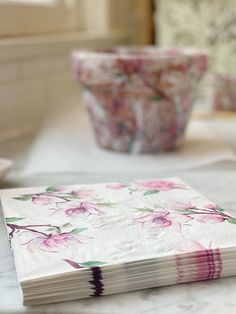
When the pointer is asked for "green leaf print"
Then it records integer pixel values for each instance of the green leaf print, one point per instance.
(50, 189)
(220, 210)
(13, 219)
(149, 192)
(78, 230)
(232, 220)
(144, 209)
(23, 198)
(92, 263)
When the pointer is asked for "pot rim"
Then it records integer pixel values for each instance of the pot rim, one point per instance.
(135, 52)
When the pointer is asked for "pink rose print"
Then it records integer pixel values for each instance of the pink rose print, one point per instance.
(42, 200)
(160, 185)
(84, 208)
(83, 192)
(158, 219)
(116, 186)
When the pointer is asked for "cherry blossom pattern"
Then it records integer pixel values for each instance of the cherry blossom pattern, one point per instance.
(74, 209)
(81, 208)
(54, 242)
(121, 186)
(83, 192)
(46, 237)
(154, 186)
(147, 186)
(57, 195)
(161, 218)
(73, 203)
(209, 213)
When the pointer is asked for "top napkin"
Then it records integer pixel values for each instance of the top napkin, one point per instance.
(56, 230)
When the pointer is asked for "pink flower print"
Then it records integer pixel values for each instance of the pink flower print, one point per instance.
(210, 218)
(202, 63)
(53, 243)
(116, 186)
(42, 200)
(82, 208)
(59, 189)
(156, 219)
(160, 185)
(211, 206)
(130, 67)
(83, 192)
(183, 205)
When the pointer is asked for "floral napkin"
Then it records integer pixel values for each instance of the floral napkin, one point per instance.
(119, 234)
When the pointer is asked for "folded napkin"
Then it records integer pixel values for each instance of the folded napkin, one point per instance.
(79, 241)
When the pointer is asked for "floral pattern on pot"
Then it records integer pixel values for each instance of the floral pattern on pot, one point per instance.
(139, 99)
(224, 93)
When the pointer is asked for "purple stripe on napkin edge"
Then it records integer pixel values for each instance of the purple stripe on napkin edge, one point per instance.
(97, 284)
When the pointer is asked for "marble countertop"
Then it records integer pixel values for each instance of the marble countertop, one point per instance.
(217, 181)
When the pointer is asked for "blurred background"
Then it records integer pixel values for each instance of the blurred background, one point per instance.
(37, 37)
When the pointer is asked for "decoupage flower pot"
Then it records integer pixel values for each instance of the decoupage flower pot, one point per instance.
(139, 99)
(224, 93)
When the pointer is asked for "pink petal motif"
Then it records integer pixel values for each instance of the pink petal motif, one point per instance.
(158, 219)
(116, 186)
(183, 205)
(160, 185)
(131, 66)
(53, 243)
(42, 200)
(211, 206)
(59, 189)
(74, 210)
(209, 218)
(83, 192)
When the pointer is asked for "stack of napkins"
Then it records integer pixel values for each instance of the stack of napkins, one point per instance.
(91, 240)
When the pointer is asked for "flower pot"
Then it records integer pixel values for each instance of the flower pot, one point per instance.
(224, 93)
(139, 99)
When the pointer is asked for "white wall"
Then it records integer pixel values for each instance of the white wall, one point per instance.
(36, 77)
